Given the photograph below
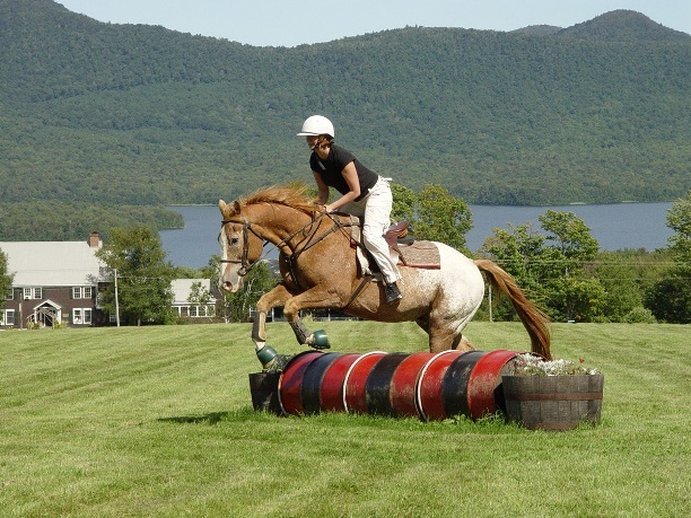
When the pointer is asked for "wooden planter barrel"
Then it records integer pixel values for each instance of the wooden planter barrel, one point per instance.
(423, 384)
(553, 402)
(264, 391)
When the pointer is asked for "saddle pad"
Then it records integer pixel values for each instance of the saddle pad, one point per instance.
(420, 254)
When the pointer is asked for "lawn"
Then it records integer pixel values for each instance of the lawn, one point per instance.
(158, 421)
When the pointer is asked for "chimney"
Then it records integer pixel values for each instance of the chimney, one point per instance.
(95, 240)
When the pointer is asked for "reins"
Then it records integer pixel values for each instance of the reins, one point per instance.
(311, 239)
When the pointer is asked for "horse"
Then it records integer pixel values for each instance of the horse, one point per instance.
(319, 270)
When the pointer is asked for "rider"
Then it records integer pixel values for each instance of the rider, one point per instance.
(363, 193)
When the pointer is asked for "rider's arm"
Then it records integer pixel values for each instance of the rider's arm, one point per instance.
(350, 175)
(323, 189)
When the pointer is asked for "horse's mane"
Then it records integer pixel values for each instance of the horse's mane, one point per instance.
(292, 195)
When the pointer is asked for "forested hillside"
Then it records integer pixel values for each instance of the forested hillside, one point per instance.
(140, 115)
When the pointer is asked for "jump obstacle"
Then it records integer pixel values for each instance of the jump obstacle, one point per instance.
(430, 386)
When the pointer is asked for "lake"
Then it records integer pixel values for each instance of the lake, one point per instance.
(616, 227)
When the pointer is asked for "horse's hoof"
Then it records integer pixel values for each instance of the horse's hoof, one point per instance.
(278, 363)
(266, 355)
(320, 340)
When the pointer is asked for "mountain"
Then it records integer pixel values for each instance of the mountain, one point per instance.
(135, 114)
(624, 26)
(538, 30)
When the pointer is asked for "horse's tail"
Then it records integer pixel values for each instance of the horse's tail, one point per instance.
(534, 320)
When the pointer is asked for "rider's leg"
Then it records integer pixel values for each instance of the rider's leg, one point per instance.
(376, 222)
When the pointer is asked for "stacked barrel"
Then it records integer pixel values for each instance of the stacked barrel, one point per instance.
(431, 386)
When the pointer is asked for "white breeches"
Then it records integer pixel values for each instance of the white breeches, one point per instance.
(375, 212)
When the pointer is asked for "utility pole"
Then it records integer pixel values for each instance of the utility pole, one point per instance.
(117, 304)
(490, 302)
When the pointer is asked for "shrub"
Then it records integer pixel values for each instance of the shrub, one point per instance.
(639, 315)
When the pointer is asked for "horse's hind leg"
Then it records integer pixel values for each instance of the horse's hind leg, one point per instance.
(445, 330)
(445, 338)
(464, 344)
(314, 298)
(318, 339)
(441, 336)
(423, 322)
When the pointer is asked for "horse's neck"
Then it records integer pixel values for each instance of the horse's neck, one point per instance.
(279, 222)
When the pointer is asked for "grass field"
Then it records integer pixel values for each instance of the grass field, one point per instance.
(157, 421)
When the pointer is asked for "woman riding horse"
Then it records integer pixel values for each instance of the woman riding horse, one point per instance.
(363, 194)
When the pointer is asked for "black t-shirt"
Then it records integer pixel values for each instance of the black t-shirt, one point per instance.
(331, 169)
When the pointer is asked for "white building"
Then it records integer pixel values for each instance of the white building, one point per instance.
(186, 305)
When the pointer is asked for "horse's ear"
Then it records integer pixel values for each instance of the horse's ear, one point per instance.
(222, 206)
(237, 207)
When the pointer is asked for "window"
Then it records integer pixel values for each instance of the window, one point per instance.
(82, 316)
(195, 311)
(7, 318)
(33, 293)
(81, 292)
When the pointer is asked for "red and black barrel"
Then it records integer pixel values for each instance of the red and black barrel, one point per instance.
(425, 385)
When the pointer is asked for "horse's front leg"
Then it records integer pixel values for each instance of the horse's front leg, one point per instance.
(315, 298)
(274, 298)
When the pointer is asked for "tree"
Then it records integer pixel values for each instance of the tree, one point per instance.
(144, 294)
(571, 238)
(626, 276)
(679, 220)
(404, 200)
(575, 295)
(433, 213)
(5, 279)
(550, 268)
(442, 217)
(519, 251)
(200, 296)
(670, 299)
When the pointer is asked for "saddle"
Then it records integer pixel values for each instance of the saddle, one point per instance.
(404, 248)
(398, 234)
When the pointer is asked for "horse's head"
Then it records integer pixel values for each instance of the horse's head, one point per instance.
(274, 214)
(240, 246)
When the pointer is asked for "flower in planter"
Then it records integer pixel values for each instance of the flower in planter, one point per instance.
(529, 364)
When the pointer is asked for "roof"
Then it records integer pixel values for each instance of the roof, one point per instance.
(182, 288)
(52, 263)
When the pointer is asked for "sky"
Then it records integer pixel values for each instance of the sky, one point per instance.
(293, 22)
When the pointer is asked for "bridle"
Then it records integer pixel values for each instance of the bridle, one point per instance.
(244, 262)
(309, 231)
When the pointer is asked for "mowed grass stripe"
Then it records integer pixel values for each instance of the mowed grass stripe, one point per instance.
(73, 378)
(158, 421)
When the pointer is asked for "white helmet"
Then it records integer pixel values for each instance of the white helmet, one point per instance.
(317, 125)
